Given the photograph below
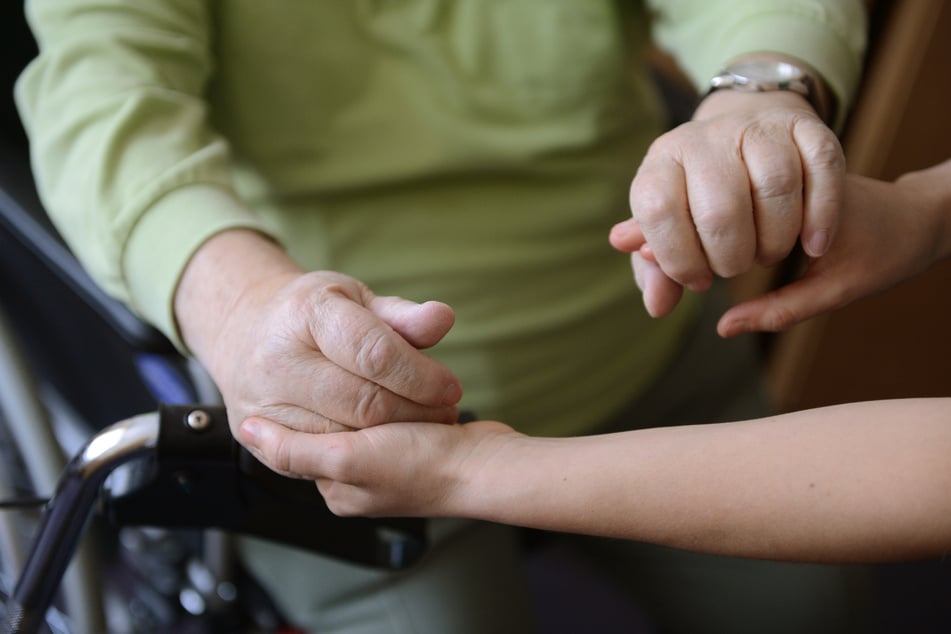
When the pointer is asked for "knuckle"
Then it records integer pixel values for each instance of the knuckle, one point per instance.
(371, 406)
(823, 150)
(650, 196)
(827, 154)
(757, 132)
(280, 456)
(715, 225)
(375, 356)
(777, 184)
(730, 251)
(780, 318)
(651, 208)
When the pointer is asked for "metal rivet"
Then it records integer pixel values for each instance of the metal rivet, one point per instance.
(198, 420)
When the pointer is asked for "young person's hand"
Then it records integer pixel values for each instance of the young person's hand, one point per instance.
(889, 232)
(400, 469)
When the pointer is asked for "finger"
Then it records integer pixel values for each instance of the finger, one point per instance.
(718, 191)
(360, 342)
(659, 204)
(627, 236)
(648, 253)
(782, 308)
(775, 173)
(316, 394)
(303, 420)
(296, 417)
(293, 453)
(823, 164)
(423, 325)
(661, 294)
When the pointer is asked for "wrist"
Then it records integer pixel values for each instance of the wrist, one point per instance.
(723, 102)
(486, 471)
(218, 283)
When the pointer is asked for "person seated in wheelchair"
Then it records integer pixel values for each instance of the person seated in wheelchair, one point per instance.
(370, 213)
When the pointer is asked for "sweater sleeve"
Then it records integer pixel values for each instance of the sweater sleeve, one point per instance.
(704, 35)
(126, 163)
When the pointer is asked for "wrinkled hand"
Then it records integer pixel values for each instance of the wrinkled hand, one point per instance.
(886, 235)
(737, 186)
(400, 469)
(310, 352)
(319, 352)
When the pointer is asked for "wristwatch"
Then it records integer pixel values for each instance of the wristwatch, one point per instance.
(769, 75)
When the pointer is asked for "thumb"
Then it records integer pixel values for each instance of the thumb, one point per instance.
(783, 308)
(423, 325)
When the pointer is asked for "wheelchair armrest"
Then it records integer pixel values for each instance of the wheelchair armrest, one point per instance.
(201, 477)
(196, 477)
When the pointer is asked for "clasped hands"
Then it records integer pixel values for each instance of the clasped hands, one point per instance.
(734, 187)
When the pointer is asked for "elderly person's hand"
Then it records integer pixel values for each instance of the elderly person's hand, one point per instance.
(750, 175)
(311, 352)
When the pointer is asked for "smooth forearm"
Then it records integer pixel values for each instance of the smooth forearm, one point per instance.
(857, 482)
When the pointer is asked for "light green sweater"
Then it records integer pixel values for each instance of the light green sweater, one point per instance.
(471, 151)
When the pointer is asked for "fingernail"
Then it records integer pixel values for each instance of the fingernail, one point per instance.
(737, 328)
(452, 394)
(818, 243)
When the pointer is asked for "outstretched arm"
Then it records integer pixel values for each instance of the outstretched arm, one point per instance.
(860, 482)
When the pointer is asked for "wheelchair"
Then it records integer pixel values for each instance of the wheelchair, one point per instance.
(120, 484)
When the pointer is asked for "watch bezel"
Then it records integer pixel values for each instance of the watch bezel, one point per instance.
(763, 76)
